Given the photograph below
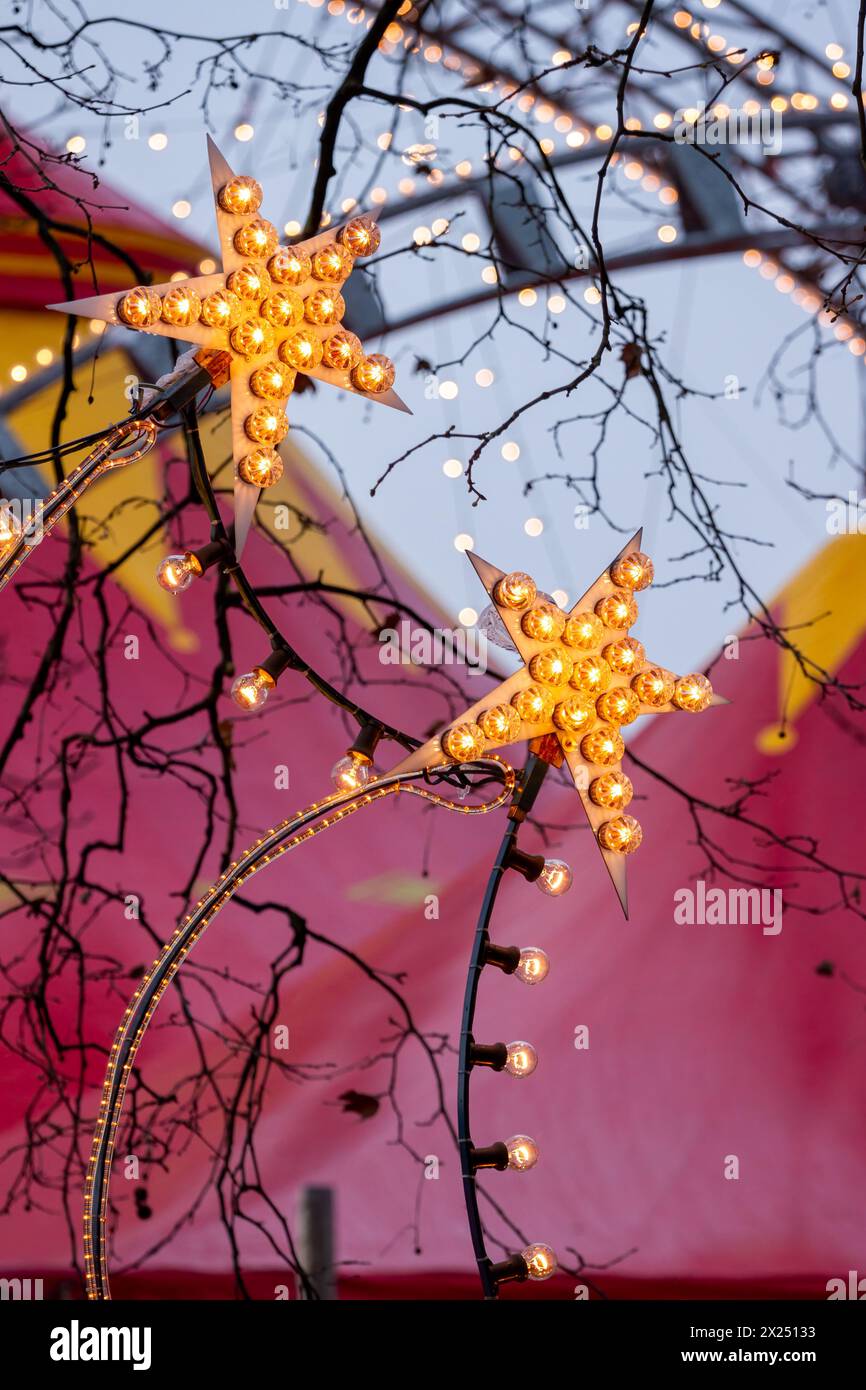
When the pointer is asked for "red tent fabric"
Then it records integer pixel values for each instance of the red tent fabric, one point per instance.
(707, 1043)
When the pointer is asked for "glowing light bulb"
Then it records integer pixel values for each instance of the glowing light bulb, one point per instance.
(622, 835)
(522, 1152)
(544, 622)
(290, 266)
(268, 425)
(324, 306)
(613, 791)
(374, 373)
(692, 693)
(516, 590)
(261, 468)
(591, 674)
(624, 655)
(139, 308)
(534, 705)
(500, 723)
(256, 239)
(361, 236)
(351, 773)
(463, 742)
(551, 667)
(252, 338)
(252, 690)
(540, 1261)
(10, 529)
(283, 309)
(617, 610)
(303, 351)
(221, 309)
(273, 381)
(342, 350)
(331, 262)
(620, 706)
(241, 195)
(521, 1059)
(181, 307)
(555, 878)
(633, 571)
(583, 630)
(534, 965)
(603, 746)
(576, 715)
(251, 282)
(176, 572)
(654, 686)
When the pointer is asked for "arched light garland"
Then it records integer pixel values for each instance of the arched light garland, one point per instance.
(272, 845)
(275, 310)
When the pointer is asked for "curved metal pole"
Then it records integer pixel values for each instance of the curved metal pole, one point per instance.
(272, 845)
(522, 803)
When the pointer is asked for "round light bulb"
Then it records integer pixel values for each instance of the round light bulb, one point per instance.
(250, 282)
(591, 674)
(583, 630)
(290, 266)
(342, 350)
(603, 746)
(221, 309)
(516, 590)
(500, 723)
(622, 834)
(551, 667)
(555, 878)
(284, 308)
(540, 1261)
(463, 742)
(361, 236)
(250, 691)
(256, 239)
(331, 262)
(613, 791)
(632, 571)
(654, 686)
(620, 706)
(692, 693)
(273, 381)
(140, 308)
(534, 965)
(544, 622)
(270, 425)
(252, 338)
(176, 572)
(534, 704)
(617, 610)
(374, 374)
(241, 195)
(181, 307)
(625, 655)
(576, 715)
(351, 773)
(303, 351)
(324, 306)
(522, 1152)
(521, 1059)
(261, 467)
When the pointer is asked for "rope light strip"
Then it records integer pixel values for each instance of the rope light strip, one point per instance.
(276, 842)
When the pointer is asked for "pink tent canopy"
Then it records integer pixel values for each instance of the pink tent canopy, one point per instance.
(711, 1048)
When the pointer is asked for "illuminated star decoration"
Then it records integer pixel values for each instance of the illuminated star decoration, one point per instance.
(276, 310)
(583, 678)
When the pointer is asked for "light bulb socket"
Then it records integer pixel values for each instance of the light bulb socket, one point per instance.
(365, 744)
(211, 554)
(515, 1267)
(505, 958)
(492, 1156)
(275, 663)
(530, 866)
(493, 1055)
